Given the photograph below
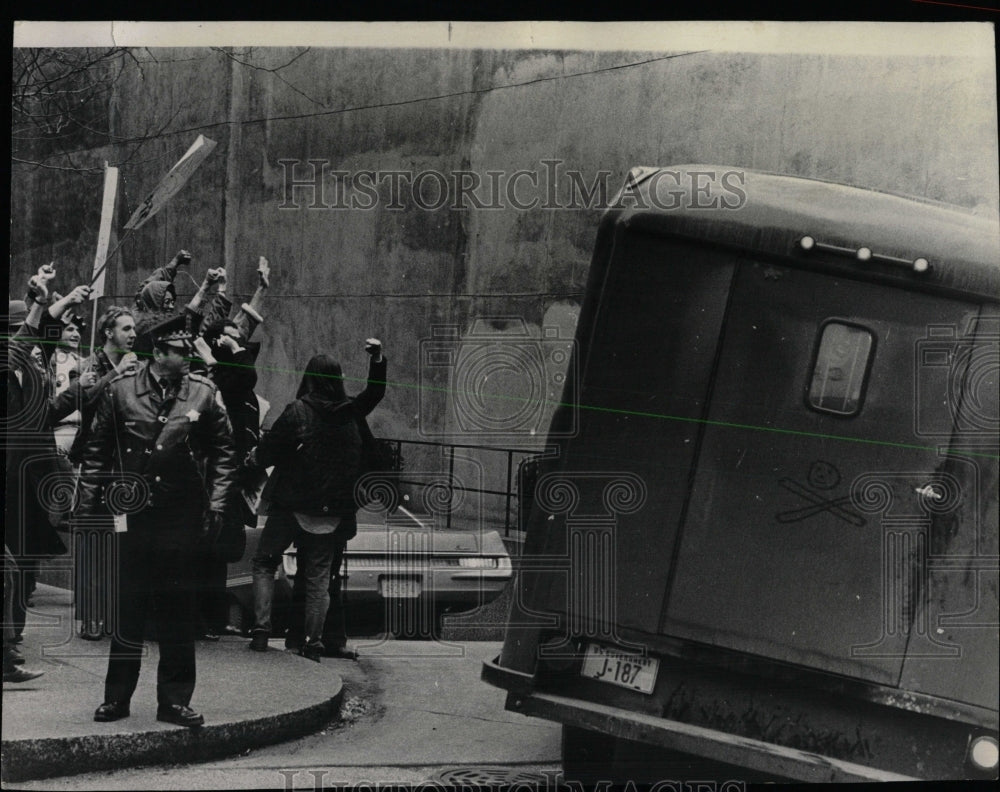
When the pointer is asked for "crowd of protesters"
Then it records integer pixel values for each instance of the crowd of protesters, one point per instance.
(145, 457)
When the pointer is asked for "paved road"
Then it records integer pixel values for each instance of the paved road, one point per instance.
(411, 710)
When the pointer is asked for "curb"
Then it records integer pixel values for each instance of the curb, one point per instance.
(24, 760)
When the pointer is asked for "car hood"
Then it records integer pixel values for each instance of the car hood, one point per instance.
(378, 539)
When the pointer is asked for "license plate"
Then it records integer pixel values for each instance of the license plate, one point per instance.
(629, 671)
(399, 587)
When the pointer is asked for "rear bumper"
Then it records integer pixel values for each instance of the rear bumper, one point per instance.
(676, 736)
(446, 589)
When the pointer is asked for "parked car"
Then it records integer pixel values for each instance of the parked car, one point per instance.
(403, 576)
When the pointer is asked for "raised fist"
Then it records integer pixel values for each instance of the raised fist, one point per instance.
(216, 275)
(38, 285)
(47, 271)
(373, 347)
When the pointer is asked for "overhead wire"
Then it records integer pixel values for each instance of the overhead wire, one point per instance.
(398, 103)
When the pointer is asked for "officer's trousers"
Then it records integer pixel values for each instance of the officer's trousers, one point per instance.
(155, 578)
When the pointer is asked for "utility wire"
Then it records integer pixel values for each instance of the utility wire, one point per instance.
(400, 103)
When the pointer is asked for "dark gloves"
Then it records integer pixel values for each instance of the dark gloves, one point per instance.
(223, 536)
(211, 527)
(249, 476)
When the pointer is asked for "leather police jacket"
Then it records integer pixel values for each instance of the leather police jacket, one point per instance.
(176, 450)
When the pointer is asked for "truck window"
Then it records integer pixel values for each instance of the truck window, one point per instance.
(841, 368)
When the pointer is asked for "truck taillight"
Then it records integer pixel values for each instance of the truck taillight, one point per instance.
(983, 754)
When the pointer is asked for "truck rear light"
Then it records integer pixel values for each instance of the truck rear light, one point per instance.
(983, 754)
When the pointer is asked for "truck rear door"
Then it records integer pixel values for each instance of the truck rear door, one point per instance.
(818, 472)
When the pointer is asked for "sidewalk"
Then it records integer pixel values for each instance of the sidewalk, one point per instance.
(248, 700)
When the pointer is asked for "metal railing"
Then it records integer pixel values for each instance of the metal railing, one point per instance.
(510, 494)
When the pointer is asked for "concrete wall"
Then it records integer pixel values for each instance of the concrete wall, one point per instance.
(920, 126)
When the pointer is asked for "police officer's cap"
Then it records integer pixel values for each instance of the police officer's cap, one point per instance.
(172, 332)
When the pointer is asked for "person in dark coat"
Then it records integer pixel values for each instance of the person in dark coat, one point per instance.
(160, 452)
(37, 492)
(315, 446)
(153, 304)
(234, 371)
(116, 334)
(233, 358)
(156, 300)
(234, 374)
(94, 545)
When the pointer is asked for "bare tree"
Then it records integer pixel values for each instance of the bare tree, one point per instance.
(60, 101)
(246, 57)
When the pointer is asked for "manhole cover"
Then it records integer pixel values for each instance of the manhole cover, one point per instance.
(497, 778)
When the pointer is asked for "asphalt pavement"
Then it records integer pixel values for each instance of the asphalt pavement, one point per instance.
(248, 699)
(406, 712)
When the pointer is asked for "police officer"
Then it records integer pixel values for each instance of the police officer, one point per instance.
(161, 451)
